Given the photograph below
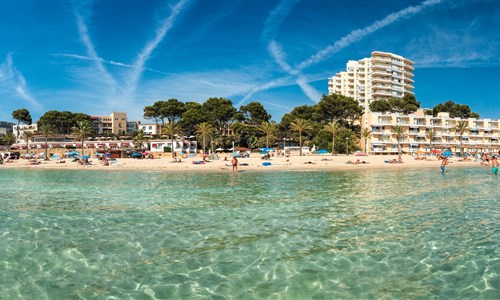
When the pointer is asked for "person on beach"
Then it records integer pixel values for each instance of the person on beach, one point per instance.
(444, 163)
(494, 165)
(234, 162)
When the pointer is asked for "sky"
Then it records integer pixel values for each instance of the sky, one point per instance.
(101, 56)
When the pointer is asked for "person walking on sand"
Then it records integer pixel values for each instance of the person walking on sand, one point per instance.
(494, 165)
(234, 162)
(443, 164)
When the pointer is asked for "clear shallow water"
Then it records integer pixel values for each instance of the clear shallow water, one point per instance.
(282, 235)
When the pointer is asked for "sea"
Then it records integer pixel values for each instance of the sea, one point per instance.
(365, 234)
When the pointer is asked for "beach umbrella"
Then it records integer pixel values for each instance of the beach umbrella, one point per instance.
(235, 154)
(56, 156)
(447, 153)
(322, 151)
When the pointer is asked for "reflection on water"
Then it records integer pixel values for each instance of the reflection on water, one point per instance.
(328, 235)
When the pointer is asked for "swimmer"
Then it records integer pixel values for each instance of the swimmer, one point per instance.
(494, 165)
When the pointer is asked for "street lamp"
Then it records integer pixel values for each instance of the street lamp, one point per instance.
(347, 145)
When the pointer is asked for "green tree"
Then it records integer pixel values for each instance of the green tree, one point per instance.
(339, 108)
(220, 113)
(305, 112)
(82, 130)
(455, 110)
(9, 139)
(206, 130)
(22, 116)
(346, 139)
(63, 121)
(366, 135)
(46, 131)
(192, 115)
(268, 128)
(332, 127)
(27, 137)
(139, 138)
(172, 109)
(152, 112)
(406, 105)
(398, 132)
(254, 113)
(380, 106)
(171, 129)
(461, 128)
(300, 125)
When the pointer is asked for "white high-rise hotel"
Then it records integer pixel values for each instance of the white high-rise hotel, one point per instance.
(381, 76)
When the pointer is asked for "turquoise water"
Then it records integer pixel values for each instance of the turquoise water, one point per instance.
(405, 234)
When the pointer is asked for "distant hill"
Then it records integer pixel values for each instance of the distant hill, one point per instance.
(7, 125)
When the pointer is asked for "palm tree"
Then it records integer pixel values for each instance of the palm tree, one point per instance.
(206, 130)
(9, 138)
(332, 127)
(300, 125)
(139, 138)
(27, 137)
(431, 135)
(171, 129)
(82, 130)
(462, 128)
(398, 132)
(366, 134)
(46, 131)
(268, 128)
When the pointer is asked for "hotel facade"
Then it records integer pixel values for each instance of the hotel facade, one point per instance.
(483, 135)
(381, 76)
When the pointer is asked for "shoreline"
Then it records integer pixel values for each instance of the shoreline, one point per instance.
(293, 163)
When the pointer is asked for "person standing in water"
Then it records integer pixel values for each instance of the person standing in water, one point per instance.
(494, 165)
(234, 162)
(443, 164)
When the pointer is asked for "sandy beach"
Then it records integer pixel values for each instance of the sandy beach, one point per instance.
(253, 163)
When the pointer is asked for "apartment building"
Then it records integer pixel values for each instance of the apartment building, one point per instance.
(116, 123)
(483, 134)
(381, 76)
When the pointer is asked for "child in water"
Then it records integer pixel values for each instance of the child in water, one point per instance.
(443, 164)
(494, 165)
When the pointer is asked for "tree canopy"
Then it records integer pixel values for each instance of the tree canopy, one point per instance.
(456, 110)
(406, 105)
(63, 121)
(254, 113)
(339, 108)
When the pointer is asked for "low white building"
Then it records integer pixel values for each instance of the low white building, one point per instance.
(184, 146)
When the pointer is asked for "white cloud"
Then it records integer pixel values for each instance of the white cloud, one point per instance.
(14, 85)
(87, 42)
(359, 34)
(276, 18)
(138, 65)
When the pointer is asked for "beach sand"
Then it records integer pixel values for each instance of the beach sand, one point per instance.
(253, 163)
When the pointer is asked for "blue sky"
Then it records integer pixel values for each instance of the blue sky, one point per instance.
(97, 56)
